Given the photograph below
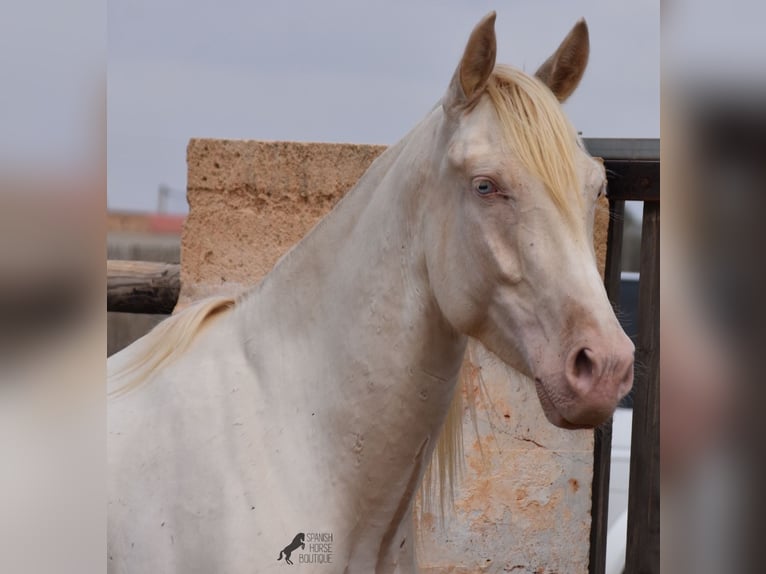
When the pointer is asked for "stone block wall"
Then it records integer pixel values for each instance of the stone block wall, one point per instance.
(249, 202)
(523, 505)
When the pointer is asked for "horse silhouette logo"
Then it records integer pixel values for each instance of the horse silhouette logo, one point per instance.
(288, 550)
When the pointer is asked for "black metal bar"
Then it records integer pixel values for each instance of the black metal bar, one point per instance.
(631, 180)
(602, 448)
(643, 544)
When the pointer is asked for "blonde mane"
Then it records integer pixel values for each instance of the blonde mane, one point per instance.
(538, 133)
(446, 466)
(165, 343)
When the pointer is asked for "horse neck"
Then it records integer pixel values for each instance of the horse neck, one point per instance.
(360, 277)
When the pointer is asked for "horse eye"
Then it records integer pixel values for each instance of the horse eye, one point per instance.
(484, 187)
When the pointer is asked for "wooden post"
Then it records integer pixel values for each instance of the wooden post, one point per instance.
(142, 287)
(643, 544)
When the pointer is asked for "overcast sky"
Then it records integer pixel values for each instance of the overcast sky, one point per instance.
(340, 71)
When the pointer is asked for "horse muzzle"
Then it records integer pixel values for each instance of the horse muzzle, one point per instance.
(594, 379)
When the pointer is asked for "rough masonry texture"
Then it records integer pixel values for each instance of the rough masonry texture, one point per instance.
(249, 202)
(523, 505)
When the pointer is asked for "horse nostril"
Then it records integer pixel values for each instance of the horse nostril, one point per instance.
(583, 365)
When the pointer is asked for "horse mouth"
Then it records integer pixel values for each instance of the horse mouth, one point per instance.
(552, 413)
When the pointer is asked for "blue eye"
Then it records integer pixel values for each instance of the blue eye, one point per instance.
(484, 187)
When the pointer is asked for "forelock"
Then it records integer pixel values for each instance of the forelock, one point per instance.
(537, 132)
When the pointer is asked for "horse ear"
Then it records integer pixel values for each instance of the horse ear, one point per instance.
(563, 71)
(475, 67)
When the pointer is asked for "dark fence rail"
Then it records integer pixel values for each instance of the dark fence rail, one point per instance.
(633, 171)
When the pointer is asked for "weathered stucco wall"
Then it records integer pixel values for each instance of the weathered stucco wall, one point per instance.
(524, 503)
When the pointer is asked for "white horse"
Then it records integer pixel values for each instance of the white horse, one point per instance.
(308, 408)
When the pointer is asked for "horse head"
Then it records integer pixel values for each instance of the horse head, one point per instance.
(509, 233)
